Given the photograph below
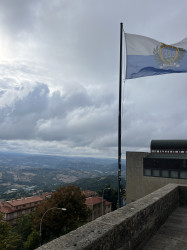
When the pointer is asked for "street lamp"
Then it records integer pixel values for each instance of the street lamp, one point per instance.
(103, 197)
(62, 209)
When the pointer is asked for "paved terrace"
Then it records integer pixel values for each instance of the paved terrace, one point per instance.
(157, 221)
(172, 234)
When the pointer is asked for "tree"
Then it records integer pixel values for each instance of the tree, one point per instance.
(24, 226)
(12, 242)
(33, 241)
(4, 228)
(9, 240)
(110, 195)
(57, 222)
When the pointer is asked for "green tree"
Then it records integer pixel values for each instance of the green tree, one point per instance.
(57, 222)
(12, 241)
(110, 195)
(33, 241)
(9, 240)
(24, 226)
(4, 228)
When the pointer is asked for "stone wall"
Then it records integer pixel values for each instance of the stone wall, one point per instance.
(126, 228)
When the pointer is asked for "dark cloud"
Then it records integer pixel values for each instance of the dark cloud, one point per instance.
(36, 113)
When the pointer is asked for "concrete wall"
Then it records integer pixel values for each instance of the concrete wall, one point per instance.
(137, 185)
(126, 228)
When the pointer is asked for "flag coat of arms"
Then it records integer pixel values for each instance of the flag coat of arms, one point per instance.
(148, 57)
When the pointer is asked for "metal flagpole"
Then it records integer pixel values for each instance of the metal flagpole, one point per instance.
(119, 118)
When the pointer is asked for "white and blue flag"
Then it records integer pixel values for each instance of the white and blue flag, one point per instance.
(148, 57)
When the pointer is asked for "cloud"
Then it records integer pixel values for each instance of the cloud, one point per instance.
(18, 16)
(156, 111)
(59, 69)
(33, 113)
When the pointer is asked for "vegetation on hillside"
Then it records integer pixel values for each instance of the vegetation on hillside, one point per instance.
(98, 183)
(107, 183)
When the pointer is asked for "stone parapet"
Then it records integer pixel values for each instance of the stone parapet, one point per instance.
(126, 228)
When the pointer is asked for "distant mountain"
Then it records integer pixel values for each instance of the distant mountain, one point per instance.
(47, 172)
(57, 162)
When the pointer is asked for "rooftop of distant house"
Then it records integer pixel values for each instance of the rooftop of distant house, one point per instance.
(24, 200)
(89, 193)
(12, 205)
(96, 200)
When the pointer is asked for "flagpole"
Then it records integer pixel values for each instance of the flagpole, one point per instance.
(119, 117)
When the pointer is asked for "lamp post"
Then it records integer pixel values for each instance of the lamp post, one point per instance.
(103, 197)
(62, 209)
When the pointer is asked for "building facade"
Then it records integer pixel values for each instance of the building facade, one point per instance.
(146, 172)
(98, 207)
(13, 209)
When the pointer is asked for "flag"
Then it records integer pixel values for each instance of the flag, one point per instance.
(148, 57)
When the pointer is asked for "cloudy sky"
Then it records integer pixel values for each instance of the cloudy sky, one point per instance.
(59, 70)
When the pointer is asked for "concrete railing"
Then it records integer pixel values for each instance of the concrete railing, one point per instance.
(126, 228)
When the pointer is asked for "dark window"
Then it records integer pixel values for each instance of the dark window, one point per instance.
(147, 172)
(156, 172)
(183, 174)
(174, 174)
(165, 173)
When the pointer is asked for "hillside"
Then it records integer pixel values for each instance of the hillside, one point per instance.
(98, 183)
(24, 174)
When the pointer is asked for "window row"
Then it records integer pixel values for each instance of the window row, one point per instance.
(168, 151)
(166, 173)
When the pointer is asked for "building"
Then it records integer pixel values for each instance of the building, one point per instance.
(108, 207)
(89, 193)
(98, 207)
(146, 172)
(13, 209)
